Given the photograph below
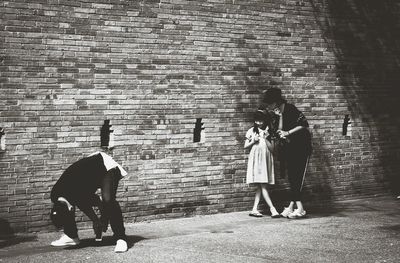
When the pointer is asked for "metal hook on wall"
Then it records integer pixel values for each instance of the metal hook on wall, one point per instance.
(2, 139)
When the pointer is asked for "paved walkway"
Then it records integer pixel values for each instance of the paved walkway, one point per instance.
(355, 231)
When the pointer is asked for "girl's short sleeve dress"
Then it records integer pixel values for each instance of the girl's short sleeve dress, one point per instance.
(260, 168)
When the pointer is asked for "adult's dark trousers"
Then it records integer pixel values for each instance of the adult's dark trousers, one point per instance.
(112, 209)
(70, 228)
(296, 164)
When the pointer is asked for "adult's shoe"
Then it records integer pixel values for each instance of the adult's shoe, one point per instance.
(286, 212)
(121, 246)
(65, 240)
(297, 214)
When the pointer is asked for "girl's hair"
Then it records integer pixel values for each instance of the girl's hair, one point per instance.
(261, 115)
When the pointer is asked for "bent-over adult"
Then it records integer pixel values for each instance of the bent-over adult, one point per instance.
(77, 187)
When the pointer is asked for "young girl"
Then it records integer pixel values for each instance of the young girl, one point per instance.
(260, 169)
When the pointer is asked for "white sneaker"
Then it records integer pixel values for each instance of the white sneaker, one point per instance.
(121, 246)
(286, 212)
(274, 213)
(297, 214)
(65, 241)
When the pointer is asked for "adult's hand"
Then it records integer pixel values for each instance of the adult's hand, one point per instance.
(283, 134)
(65, 201)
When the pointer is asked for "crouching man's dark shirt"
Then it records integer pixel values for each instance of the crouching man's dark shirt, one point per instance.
(79, 182)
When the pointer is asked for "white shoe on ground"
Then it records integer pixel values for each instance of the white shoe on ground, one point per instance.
(286, 212)
(297, 214)
(274, 213)
(65, 240)
(121, 246)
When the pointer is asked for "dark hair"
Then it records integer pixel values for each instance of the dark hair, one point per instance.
(272, 95)
(58, 214)
(261, 115)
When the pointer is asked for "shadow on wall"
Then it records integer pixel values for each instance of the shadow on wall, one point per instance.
(5, 229)
(364, 37)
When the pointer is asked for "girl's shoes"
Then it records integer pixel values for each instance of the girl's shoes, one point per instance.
(286, 212)
(255, 214)
(274, 213)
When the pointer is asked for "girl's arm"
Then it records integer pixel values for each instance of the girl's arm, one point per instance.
(250, 141)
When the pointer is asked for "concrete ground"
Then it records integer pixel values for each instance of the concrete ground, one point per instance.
(354, 231)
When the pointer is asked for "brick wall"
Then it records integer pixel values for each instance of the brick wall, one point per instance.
(153, 67)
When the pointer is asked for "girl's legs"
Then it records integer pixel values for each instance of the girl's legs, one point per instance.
(256, 199)
(268, 200)
(266, 195)
(262, 190)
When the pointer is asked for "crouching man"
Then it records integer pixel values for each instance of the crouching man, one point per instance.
(77, 187)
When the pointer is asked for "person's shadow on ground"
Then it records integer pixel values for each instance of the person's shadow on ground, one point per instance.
(6, 241)
(106, 242)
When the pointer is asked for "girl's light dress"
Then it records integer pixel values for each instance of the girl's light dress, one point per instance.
(260, 168)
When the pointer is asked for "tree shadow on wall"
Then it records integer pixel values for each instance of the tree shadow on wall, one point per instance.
(365, 39)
